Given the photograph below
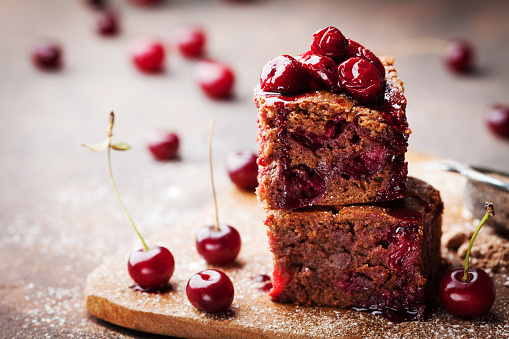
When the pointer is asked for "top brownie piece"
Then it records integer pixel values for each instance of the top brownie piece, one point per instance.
(325, 148)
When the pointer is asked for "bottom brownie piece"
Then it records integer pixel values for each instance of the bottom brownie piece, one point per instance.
(377, 257)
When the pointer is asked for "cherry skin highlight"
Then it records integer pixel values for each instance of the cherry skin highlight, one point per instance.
(459, 56)
(163, 145)
(148, 55)
(360, 79)
(151, 269)
(497, 119)
(357, 50)
(215, 79)
(330, 42)
(218, 247)
(467, 299)
(261, 278)
(47, 55)
(191, 41)
(107, 23)
(285, 75)
(323, 70)
(210, 291)
(243, 169)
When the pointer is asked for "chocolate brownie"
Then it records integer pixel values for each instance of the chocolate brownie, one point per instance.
(379, 256)
(326, 148)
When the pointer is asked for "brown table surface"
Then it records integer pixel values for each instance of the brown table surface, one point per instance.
(58, 216)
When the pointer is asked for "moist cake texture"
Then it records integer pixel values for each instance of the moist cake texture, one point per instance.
(345, 227)
(325, 148)
(379, 256)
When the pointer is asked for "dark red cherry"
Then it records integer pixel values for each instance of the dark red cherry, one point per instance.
(467, 299)
(47, 55)
(218, 247)
(243, 169)
(216, 79)
(163, 145)
(357, 50)
(210, 291)
(322, 69)
(190, 41)
(148, 55)
(330, 42)
(285, 75)
(360, 79)
(304, 186)
(107, 23)
(497, 118)
(151, 269)
(459, 56)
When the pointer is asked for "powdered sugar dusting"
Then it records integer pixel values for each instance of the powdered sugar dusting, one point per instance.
(164, 203)
(84, 226)
(253, 314)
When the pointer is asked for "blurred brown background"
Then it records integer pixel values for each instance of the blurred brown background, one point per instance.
(58, 217)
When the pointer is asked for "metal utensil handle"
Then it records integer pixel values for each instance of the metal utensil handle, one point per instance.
(475, 175)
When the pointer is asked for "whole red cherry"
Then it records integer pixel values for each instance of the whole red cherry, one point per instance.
(218, 245)
(190, 41)
(107, 23)
(210, 291)
(163, 145)
(322, 69)
(468, 292)
(497, 119)
(470, 298)
(330, 42)
(360, 79)
(357, 50)
(285, 75)
(151, 269)
(148, 54)
(47, 55)
(243, 169)
(216, 79)
(459, 56)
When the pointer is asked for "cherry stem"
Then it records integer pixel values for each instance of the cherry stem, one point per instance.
(490, 211)
(110, 135)
(211, 173)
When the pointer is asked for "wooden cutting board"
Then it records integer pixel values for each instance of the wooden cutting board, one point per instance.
(109, 294)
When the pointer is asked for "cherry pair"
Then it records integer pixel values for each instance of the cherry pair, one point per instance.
(216, 79)
(468, 292)
(152, 268)
(210, 290)
(241, 164)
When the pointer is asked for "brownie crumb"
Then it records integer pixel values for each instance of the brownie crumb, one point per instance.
(489, 252)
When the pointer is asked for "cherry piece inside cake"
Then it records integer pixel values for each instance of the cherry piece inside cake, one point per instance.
(380, 256)
(329, 133)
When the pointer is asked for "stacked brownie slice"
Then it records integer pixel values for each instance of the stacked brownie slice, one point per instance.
(346, 226)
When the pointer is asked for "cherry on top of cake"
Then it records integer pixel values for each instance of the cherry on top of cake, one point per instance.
(334, 63)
